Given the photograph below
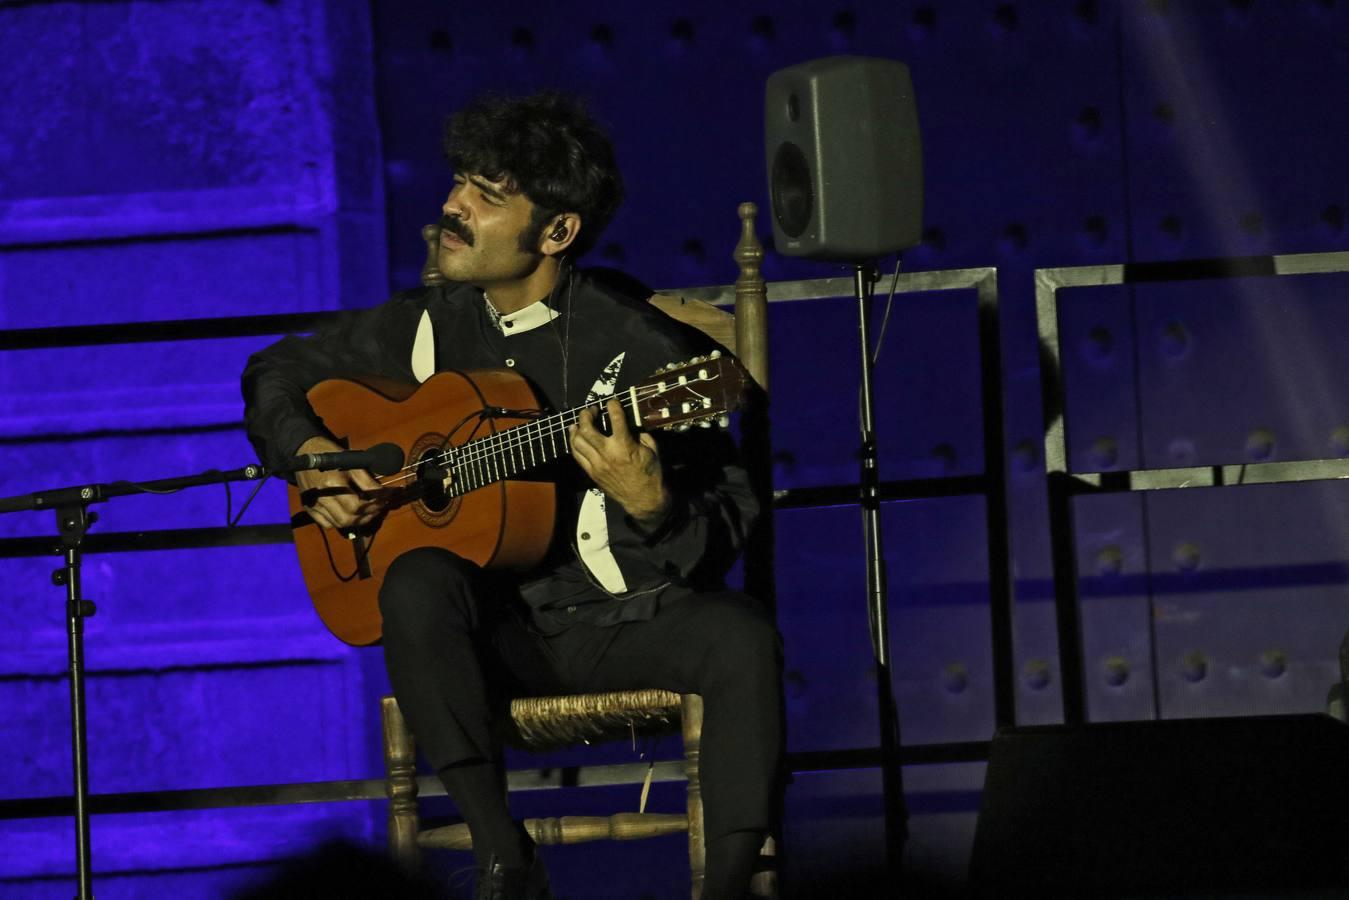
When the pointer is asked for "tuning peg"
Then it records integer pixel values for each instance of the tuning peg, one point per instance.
(724, 421)
(715, 354)
(705, 423)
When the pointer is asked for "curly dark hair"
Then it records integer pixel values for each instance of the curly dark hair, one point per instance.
(549, 148)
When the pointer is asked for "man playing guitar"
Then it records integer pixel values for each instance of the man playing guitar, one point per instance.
(628, 592)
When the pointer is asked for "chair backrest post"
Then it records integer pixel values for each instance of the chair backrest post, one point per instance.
(751, 299)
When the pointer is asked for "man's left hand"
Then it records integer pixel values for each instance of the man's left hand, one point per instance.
(623, 465)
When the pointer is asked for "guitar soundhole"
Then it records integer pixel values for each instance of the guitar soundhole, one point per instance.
(434, 505)
(432, 478)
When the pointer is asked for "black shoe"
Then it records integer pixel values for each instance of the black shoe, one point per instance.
(498, 882)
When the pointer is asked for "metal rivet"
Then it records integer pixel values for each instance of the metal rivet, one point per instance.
(945, 455)
(1099, 344)
(1104, 453)
(1036, 674)
(1186, 557)
(1005, 18)
(1273, 663)
(955, 678)
(522, 39)
(1095, 231)
(1115, 670)
(681, 30)
(922, 23)
(1087, 12)
(1332, 217)
(1088, 123)
(1175, 339)
(585, 535)
(1339, 439)
(934, 239)
(1180, 452)
(1194, 667)
(1260, 444)
(602, 36)
(1110, 560)
(1014, 238)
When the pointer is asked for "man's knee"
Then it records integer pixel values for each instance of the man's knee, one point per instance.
(423, 584)
(747, 645)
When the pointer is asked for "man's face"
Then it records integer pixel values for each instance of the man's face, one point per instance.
(480, 233)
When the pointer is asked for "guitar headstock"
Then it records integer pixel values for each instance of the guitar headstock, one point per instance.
(701, 391)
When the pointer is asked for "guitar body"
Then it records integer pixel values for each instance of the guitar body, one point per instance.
(504, 525)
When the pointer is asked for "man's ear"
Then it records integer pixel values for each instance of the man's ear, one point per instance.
(559, 234)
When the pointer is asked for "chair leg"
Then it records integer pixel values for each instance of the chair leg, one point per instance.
(692, 720)
(400, 769)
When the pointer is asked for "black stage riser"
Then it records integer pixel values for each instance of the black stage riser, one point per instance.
(1250, 807)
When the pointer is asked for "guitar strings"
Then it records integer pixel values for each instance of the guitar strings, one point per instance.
(514, 439)
(498, 447)
(482, 449)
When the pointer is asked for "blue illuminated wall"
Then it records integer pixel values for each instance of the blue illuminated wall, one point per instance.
(184, 159)
(173, 161)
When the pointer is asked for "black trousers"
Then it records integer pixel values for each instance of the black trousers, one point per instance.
(457, 648)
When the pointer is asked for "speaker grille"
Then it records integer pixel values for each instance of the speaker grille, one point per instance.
(793, 195)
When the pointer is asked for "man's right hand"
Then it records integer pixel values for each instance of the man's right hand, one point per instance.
(340, 498)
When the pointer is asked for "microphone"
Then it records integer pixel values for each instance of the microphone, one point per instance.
(381, 459)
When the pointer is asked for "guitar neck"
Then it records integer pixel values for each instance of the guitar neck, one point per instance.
(513, 451)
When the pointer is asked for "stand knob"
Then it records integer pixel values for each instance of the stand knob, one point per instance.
(80, 609)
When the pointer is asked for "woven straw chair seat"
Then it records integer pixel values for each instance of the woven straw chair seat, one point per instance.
(548, 722)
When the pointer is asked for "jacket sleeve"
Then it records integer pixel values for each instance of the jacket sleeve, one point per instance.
(376, 341)
(712, 512)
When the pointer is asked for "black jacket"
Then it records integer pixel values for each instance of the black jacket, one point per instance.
(591, 338)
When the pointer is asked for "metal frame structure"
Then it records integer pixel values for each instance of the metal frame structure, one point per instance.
(1063, 485)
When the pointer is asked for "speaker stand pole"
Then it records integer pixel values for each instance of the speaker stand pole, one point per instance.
(896, 825)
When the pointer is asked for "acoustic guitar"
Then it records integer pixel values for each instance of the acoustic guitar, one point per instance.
(470, 440)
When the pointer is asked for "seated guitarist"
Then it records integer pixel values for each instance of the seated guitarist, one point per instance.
(630, 593)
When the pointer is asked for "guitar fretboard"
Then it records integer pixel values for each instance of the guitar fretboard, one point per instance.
(512, 451)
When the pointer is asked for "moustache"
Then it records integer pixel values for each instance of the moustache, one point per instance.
(456, 227)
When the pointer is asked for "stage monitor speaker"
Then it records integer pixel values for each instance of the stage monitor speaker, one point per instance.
(1237, 807)
(845, 163)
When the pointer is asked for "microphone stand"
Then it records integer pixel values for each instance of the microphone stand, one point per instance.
(896, 826)
(73, 520)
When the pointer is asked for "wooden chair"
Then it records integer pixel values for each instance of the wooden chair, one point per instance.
(550, 722)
